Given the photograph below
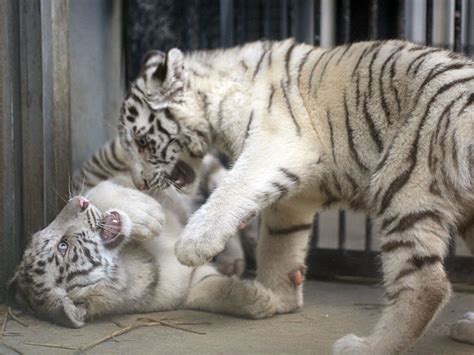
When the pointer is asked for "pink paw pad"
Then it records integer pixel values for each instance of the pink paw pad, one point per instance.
(296, 277)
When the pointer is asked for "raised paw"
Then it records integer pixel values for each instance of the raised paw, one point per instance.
(197, 251)
(145, 213)
(463, 329)
(147, 220)
(351, 344)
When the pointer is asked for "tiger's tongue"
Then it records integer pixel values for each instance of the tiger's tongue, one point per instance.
(112, 226)
(182, 174)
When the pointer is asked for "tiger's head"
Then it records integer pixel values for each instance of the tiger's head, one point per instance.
(69, 265)
(161, 125)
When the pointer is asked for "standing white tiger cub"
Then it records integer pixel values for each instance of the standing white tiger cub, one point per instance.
(384, 127)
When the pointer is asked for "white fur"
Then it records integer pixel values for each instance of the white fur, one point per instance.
(307, 126)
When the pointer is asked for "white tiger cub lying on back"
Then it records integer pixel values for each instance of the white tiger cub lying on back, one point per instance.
(114, 253)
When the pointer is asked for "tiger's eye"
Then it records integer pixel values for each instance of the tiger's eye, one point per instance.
(142, 143)
(62, 247)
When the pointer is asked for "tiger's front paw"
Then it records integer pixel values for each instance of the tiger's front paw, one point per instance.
(147, 218)
(197, 249)
(351, 344)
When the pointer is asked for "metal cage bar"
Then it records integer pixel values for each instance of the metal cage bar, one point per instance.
(35, 121)
(415, 21)
(227, 28)
(328, 23)
(443, 23)
(10, 139)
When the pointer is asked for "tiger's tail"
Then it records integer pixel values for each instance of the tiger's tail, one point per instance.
(109, 161)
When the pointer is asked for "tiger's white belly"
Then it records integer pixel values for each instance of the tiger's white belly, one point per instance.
(174, 278)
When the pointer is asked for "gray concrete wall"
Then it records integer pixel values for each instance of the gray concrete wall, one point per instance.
(97, 74)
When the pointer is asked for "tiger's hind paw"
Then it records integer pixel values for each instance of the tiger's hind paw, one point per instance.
(463, 329)
(230, 267)
(351, 344)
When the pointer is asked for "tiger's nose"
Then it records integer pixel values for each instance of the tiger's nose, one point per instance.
(83, 203)
(143, 186)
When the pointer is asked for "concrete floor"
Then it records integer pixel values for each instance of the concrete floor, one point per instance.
(331, 311)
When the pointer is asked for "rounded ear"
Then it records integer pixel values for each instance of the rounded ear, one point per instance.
(70, 315)
(175, 65)
(151, 58)
(15, 292)
(165, 76)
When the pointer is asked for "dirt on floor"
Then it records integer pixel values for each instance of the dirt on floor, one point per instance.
(331, 310)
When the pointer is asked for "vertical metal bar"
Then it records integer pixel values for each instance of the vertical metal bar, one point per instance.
(304, 26)
(470, 29)
(401, 19)
(10, 139)
(429, 22)
(443, 23)
(245, 19)
(284, 18)
(464, 25)
(226, 18)
(328, 23)
(315, 234)
(458, 19)
(56, 104)
(374, 19)
(452, 244)
(368, 234)
(267, 18)
(31, 57)
(342, 230)
(346, 18)
(415, 21)
(45, 110)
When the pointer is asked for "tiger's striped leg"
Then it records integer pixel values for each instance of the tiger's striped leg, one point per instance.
(281, 252)
(463, 329)
(253, 184)
(416, 285)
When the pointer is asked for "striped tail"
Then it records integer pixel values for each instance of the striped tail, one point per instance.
(107, 162)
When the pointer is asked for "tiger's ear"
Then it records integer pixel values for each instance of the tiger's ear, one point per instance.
(69, 314)
(164, 75)
(15, 293)
(151, 58)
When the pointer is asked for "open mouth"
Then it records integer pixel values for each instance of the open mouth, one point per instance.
(182, 174)
(111, 229)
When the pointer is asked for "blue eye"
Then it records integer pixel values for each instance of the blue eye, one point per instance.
(62, 247)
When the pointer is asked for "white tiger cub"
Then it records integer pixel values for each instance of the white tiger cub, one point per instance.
(383, 127)
(114, 253)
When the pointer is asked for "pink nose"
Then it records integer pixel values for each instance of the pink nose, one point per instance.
(143, 186)
(83, 203)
